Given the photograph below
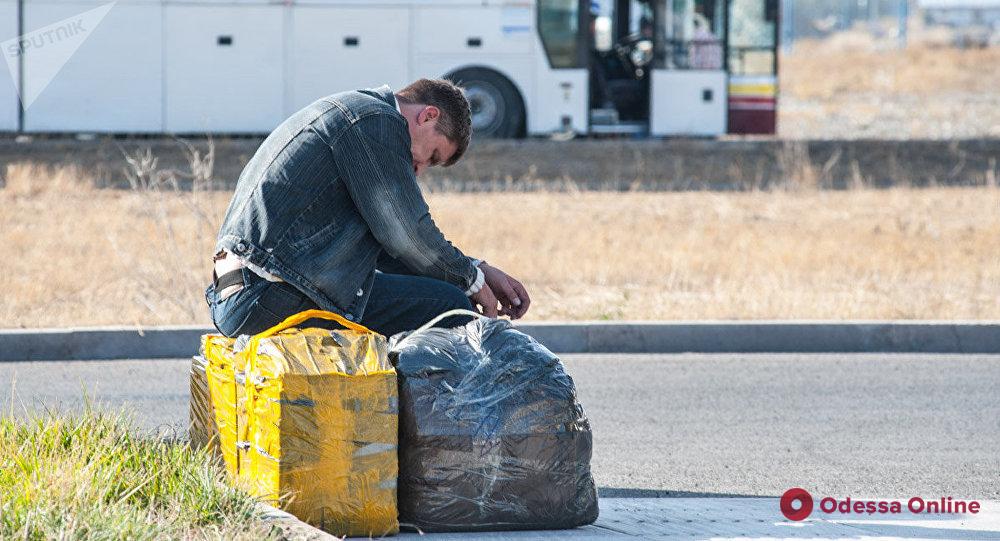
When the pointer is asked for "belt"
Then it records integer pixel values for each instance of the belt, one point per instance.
(231, 278)
(231, 269)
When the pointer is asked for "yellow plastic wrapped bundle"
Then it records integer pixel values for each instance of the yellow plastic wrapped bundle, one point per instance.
(316, 419)
(214, 399)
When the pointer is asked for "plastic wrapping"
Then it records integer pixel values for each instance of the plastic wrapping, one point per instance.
(214, 398)
(202, 430)
(308, 419)
(492, 436)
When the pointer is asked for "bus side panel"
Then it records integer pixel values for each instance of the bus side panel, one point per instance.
(112, 83)
(342, 48)
(688, 102)
(224, 73)
(8, 72)
(475, 29)
(561, 100)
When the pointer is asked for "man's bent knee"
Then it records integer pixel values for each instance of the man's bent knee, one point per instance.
(456, 300)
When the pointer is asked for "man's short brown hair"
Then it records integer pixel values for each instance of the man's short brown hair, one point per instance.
(455, 121)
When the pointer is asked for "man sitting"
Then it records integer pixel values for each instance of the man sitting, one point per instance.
(328, 214)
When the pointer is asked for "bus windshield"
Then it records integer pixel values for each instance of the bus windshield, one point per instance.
(559, 27)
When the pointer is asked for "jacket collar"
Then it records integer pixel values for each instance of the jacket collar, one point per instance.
(385, 94)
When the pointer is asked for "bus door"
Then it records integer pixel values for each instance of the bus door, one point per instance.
(688, 83)
(621, 51)
(753, 66)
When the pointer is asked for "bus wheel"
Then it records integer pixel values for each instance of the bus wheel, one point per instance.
(497, 108)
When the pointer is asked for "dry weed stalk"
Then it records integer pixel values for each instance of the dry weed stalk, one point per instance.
(163, 274)
(797, 169)
(32, 179)
(857, 180)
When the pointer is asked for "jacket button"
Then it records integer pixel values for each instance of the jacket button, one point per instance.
(240, 248)
(349, 317)
(360, 292)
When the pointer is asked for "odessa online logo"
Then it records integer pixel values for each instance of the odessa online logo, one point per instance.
(797, 504)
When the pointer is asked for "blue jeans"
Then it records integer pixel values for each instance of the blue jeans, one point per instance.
(398, 303)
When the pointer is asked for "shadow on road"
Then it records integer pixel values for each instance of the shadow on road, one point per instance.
(609, 492)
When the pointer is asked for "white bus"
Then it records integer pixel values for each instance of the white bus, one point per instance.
(657, 67)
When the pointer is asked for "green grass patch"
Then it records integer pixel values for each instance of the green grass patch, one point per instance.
(92, 476)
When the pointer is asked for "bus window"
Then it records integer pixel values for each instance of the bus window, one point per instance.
(641, 23)
(559, 27)
(752, 36)
(689, 34)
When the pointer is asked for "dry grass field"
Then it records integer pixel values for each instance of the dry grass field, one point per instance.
(81, 256)
(850, 87)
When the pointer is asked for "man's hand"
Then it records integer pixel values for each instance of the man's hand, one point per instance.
(503, 289)
(485, 301)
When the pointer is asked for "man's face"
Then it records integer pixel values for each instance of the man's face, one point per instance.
(428, 146)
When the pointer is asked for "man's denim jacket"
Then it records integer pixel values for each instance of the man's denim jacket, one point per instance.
(326, 192)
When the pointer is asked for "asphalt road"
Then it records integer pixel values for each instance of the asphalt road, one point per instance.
(695, 425)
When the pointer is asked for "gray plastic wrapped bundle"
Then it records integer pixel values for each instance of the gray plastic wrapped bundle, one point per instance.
(491, 435)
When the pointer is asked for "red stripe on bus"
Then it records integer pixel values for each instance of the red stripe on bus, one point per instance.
(751, 99)
(759, 104)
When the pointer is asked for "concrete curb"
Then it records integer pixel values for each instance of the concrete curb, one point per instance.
(771, 337)
(100, 343)
(103, 343)
(291, 527)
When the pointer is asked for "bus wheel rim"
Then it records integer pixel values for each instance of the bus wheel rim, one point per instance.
(487, 106)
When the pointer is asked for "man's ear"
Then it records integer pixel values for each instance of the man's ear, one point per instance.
(428, 113)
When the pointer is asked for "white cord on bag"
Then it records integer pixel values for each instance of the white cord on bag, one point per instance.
(431, 323)
(449, 313)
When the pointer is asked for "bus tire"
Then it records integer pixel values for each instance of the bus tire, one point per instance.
(497, 106)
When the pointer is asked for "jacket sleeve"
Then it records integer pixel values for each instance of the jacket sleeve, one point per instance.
(373, 159)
